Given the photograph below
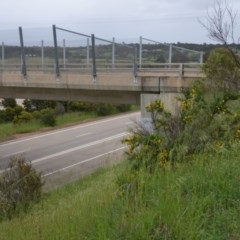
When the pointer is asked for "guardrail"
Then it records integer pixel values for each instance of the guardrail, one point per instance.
(148, 66)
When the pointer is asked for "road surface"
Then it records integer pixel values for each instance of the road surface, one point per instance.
(66, 154)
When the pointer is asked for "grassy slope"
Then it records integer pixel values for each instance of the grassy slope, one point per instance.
(198, 200)
(8, 130)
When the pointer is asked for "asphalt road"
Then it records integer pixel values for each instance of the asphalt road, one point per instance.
(66, 154)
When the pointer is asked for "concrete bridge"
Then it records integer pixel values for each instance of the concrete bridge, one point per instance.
(112, 84)
(98, 81)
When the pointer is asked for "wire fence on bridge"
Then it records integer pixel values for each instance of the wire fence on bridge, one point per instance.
(73, 49)
(151, 51)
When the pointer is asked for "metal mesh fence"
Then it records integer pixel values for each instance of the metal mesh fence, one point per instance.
(10, 48)
(151, 51)
(76, 50)
(182, 55)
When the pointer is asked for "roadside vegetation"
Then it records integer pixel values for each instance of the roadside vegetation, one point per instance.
(180, 178)
(36, 115)
(197, 200)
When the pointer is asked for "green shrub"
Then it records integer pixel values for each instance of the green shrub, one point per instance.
(36, 115)
(222, 69)
(23, 118)
(104, 109)
(10, 114)
(20, 185)
(48, 117)
(123, 107)
(76, 106)
(206, 122)
(2, 116)
(18, 109)
(31, 105)
(9, 102)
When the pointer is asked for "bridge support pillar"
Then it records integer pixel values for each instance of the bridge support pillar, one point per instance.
(170, 101)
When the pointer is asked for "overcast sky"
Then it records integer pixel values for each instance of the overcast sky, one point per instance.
(168, 21)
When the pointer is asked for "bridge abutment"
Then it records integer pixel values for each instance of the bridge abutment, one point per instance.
(170, 100)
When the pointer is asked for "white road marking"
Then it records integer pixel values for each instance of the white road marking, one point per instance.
(16, 153)
(79, 147)
(82, 135)
(84, 161)
(68, 129)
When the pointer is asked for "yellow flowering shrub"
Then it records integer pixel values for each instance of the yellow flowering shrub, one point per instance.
(204, 123)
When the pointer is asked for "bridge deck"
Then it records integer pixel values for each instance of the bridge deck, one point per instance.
(74, 82)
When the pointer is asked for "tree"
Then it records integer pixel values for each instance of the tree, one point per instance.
(31, 105)
(221, 23)
(222, 70)
(9, 102)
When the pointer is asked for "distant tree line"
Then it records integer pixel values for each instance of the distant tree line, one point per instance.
(121, 51)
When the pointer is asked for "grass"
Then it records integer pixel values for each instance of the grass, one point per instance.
(60, 215)
(199, 199)
(8, 130)
(75, 117)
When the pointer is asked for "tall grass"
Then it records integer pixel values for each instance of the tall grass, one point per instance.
(7, 130)
(75, 117)
(67, 213)
(198, 200)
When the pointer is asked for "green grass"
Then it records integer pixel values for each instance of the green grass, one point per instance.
(199, 199)
(8, 130)
(67, 213)
(75, 117)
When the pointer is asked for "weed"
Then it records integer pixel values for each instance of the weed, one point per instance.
(20, 184)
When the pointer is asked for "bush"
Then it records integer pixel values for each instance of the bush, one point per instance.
(123, 107)
(9, 102)
(23, 118)
(19, 186)
(10, 114)
(81, 106)
(18, 109)
(31, 105)
(36, 115)
(2, 116)
(104, 109)
(206, 123)
(222, 69)
(48, 117)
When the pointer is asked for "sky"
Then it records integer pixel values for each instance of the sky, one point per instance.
(168, 21)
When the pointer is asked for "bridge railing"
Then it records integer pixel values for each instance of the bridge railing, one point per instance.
(188, 69)
(192, 69)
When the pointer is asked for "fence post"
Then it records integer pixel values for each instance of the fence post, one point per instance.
(3, 54)
(24, 68)
(94, 70)
(170, 54)
(88, 51)
(134, 63)
(201, 57)
(42, 53)
(64, 53)
(113, 52)
(56, 51)
(140, 52)
(181, 69)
